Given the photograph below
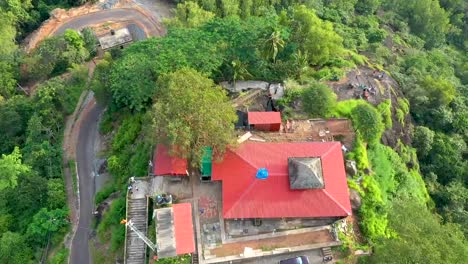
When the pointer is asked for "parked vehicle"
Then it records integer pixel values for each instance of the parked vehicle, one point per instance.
(296, 260)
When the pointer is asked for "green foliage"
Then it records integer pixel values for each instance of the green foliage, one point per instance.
(117, 237)
(426, 19)
(315, 36)
(60, 257)
(46, 222)
(11, 167)
(14, 249)
(359, 153)
(344, 108)
(56, 196)
(423, 139)
(421, 238)
(104, 193)
(318, 100)
(179, 122)
(127, 133)
(385, 109)
(112, 218)
(368, 121)
(189, 14)
(90, 41)
(374, 221)
(73, 38)
(183, 259)
(54, 56)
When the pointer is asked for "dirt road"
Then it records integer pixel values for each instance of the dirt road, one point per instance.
(85, 152)
(150, 26)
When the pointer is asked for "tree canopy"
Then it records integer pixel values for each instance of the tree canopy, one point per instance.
(191, 112)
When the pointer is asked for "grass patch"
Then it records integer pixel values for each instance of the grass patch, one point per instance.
(72, 167)
(104, 193)
(60, 257)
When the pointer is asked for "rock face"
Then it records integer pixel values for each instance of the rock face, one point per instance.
(355, 199)
(276, 90)
(351, 168)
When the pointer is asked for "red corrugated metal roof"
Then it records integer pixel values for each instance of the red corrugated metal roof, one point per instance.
(245, 196)
(183, 228)
(164, 164)
(257, 118)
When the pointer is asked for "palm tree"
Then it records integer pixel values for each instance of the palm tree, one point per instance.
(272, 46)
(239, 71)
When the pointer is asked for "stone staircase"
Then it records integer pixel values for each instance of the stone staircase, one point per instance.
(135, 248)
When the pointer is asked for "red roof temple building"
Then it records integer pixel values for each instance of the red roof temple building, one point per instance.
(266, 121)
(284, 180)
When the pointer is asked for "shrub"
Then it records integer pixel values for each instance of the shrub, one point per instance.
(359, 153)
(104, 193)
(344, 108)
(318, 100)
(368, 121)
(60, 257)
(385, 109)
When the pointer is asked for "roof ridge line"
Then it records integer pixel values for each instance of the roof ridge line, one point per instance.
(334, 145)
(244, 193)
(336, 202)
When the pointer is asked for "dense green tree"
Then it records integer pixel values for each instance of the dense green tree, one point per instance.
(318, 100)
(11, 168)
(272, 45)
(367, 7)
(191, 126)
(26, 199)
(44, 223)
(189, 14)
(74, 38)
(7, 82)
(446, 159)
(132, 82)
(14, 249)
(55, 55)
(421, 238)
(423, 139)
(315, 36)
(90, 41)
(368, 121)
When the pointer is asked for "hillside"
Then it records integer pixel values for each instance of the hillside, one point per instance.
(397, 69)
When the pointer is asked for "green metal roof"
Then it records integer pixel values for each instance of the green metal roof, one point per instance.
(207, 161)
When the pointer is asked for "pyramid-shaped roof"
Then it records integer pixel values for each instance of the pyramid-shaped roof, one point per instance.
(245, 196)
(305, 173)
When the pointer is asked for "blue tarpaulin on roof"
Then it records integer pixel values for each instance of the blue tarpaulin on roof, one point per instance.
(262, 174)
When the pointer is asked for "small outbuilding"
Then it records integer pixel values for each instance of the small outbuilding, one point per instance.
(266, 121)
(168, 165)
(174, 230)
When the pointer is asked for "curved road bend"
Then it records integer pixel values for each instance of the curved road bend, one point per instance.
(85, 152)
(114, 15)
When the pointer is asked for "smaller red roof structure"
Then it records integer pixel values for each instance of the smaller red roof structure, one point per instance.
(267, 121)
(183, 228)
(166, 165)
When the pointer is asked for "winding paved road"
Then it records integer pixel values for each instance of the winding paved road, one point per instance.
(85, 151)
(115, 15)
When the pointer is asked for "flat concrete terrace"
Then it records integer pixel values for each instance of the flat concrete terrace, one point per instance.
(287, 240)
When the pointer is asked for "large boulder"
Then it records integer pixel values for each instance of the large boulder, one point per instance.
(351, 168)
(355, 199)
